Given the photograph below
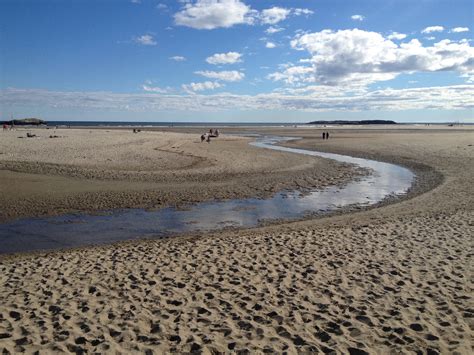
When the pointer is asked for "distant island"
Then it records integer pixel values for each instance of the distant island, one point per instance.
(342, 122)
(26, 122)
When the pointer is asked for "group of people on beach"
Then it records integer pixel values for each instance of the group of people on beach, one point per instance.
(325, 135)
(207, 136)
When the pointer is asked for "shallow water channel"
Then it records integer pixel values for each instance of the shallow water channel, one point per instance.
(74, 230)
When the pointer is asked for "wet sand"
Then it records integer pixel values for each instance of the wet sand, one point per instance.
(87, 170)
(394, 279)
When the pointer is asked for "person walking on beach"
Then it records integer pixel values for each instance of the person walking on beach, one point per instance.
(327, 135)
(324, 135)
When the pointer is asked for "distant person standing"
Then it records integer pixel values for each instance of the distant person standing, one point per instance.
(324, 135)
(327, 135)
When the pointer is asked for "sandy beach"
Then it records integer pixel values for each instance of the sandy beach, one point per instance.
(392, 279)
(86, 170)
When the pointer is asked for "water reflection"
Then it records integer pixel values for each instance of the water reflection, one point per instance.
(78, 230)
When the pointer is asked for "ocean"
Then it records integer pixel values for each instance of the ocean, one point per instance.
(168, 124)
(213, 124)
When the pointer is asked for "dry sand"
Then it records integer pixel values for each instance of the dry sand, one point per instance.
(89, 170)
(396, 279)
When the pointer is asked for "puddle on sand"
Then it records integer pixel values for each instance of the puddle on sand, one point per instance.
(70, 231)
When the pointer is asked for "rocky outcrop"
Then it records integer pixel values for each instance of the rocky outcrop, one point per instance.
(27, 122)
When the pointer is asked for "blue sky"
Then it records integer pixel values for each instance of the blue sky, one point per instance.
(237, 60)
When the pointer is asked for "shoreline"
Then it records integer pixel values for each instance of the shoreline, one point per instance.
(427, 178)
(145, 172)
(414, 189)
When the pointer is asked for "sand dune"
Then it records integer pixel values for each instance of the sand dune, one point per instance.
(396, 279)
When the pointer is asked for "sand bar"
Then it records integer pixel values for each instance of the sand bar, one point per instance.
(92, 170)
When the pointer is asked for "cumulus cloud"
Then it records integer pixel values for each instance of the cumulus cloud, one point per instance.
(358, 17)
(310, 99)
(397, 36)
(146, 40)
(432, 29)
(271, 30)
(358, 58)
(274, 15)
(206, 85)
(277, 14)
(460, 29)
(270, 45)
(294, 74)
(224, 58)
(178, 58)
(231, 75)
(211, 14)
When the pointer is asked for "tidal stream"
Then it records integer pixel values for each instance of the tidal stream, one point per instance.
(75, 230)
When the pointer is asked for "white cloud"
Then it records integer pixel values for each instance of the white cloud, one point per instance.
(211, 14)
(299, 12)
(460, 29)
(293, 74)
(270, 45)
(277, 14)
(431, 29)
(162, 6)
(274, 15)
(231, 75)
(224, 58)
(271, 30)
(396, 35)
(178, 58)
(358, 58)
(135, 1)
(155, 89)
(469, 77)
(309, 99)
(146, 40)
(358, 17)
(206, 85)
